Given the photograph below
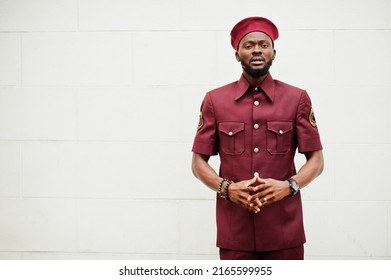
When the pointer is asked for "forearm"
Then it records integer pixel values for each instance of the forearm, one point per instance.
(311, 169)
(204, 172)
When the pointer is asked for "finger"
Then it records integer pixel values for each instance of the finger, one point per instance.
(258, 204)
(251, 181)
(255, 200)
(264, 184)
(253, 194)
(254, 208)
(258, 188)
(261, 181)
(251, 199)
(260, 196)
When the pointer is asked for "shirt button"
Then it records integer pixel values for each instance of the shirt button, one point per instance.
(256, 102)
(256, 89)
(256, 126)
(281, 132)
(230, 133)
(256, 150)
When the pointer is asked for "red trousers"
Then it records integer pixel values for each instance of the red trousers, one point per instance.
(296, 253)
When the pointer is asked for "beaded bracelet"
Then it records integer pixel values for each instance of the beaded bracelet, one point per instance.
(220, 185)
(226, 196)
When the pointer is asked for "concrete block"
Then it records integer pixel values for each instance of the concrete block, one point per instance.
(307, 14)
(228, 69)
(38, 113)
(129, 15)
(304, 57)
(351, 114)
(220, 15)
(38, 15)
(38, 225)
(360, 171)
(389, 230)
(50, 169)
(354, 66)
(10, 169)
(163, 171)
(77, 59)
(128, 226)
(107, 170)
(10, 256)
(198, 227)
(135, 113)
(137, 170)
(9, 59)
(346, 229)
(389, 14)
(389, 119)
(174, 58)
(107, 256)
(110, 170)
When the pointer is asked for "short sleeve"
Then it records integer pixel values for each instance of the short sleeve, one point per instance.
(306, 126)
(206, 138)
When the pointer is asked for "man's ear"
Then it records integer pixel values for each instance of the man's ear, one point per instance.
(274, 55)
(237, 56)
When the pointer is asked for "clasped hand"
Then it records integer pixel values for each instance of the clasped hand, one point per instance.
(256, 193)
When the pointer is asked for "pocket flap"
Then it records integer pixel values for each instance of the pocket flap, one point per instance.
(231, 128)
(280, 127)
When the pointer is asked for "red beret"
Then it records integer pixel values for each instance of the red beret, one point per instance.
(251, 24)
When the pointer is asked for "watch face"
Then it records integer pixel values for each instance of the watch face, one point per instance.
(294, 186)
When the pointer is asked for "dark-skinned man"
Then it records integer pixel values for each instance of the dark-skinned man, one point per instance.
(255, 125)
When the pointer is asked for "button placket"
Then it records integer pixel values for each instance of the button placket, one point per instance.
(255, 119)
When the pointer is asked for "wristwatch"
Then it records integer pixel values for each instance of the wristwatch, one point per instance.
(293, 186)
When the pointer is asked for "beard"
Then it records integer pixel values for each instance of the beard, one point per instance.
(256, 73)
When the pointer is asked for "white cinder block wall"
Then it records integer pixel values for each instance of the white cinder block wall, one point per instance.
(99, 104)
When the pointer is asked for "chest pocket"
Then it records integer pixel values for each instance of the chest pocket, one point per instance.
(231, 137)
(279, 137)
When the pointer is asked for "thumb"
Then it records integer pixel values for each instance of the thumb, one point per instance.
(260, 180)
(251, 181)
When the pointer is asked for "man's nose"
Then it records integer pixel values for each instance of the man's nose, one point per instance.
(257, 49)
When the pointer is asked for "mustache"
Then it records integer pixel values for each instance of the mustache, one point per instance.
(256, 73)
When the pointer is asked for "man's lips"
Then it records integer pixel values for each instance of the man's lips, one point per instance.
(257, 61)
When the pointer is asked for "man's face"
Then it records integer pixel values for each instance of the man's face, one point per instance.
(256, 54)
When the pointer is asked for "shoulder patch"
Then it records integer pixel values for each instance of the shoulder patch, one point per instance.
(201, 122)
(311, 118)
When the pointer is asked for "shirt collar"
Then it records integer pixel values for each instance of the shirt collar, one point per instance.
(267, 87)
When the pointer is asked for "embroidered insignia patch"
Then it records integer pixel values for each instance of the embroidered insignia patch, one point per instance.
(311, 118)
(201, 122)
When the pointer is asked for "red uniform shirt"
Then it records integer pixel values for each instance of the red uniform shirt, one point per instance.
(257, 130)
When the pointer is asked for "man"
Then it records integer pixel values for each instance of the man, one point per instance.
(255, 125)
